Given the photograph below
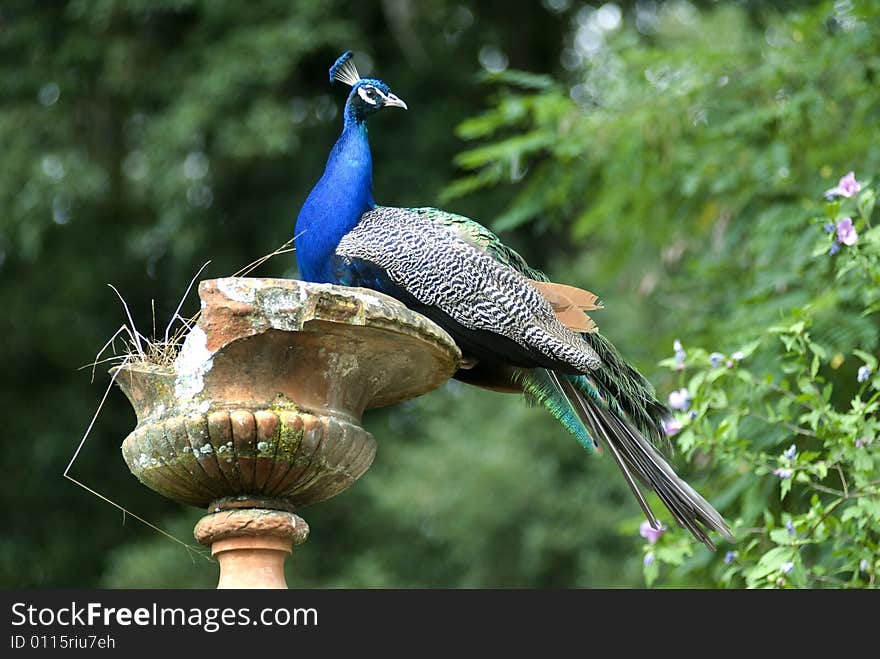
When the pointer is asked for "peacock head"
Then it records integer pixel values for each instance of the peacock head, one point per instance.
(367, 94)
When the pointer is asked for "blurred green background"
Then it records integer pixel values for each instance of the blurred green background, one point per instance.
(661, 154)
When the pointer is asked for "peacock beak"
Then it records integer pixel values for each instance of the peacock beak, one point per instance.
(393, 101)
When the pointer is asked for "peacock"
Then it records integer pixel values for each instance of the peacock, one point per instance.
(517, 330)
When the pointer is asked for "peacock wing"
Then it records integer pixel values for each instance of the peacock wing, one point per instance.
(491, 310)
(633, 392)
(568, 302)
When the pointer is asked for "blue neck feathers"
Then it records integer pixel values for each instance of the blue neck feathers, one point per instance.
(336, 203)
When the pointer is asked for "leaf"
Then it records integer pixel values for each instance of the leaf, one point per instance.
(686, 440)
(784, 487)
(821, 248)
(651, 571)
(513, 147)
(750, 347)
(851, 512)
(673, 554)
(866, 204)
(525, 80)
(782, 537)
(768, 564)
(518, 214)
(696, 381)
(818, 350)
(718, 399)
(826, 392)
(869, 359)
(871, 236)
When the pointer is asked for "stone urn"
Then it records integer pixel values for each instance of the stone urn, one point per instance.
(260, 413)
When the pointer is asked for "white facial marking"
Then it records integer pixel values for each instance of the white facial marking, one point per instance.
(362, 92)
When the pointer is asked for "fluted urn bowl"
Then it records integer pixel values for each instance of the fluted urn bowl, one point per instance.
(263, 404)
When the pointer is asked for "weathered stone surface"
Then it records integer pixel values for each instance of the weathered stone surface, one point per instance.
(266, 396)
(251, 544)
(251, 522)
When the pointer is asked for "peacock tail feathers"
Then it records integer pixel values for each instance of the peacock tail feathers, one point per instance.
(580, 405)
(539, 389)
(629, 388)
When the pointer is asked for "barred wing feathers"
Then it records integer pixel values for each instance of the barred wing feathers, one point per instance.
(463, 288)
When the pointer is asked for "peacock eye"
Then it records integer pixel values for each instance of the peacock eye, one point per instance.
(370, 95)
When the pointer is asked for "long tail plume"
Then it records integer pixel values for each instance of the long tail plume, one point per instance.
(592, 417)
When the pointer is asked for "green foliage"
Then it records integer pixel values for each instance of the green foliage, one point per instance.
(686, 157)
(771, 421)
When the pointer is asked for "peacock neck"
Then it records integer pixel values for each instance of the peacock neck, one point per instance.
(336, 203)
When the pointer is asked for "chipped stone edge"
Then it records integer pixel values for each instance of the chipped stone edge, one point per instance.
(301, 301)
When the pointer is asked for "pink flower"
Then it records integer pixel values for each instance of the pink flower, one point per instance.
(846, 187)
(846, 233)
(680, 400)
(672, 426)
(651, 534)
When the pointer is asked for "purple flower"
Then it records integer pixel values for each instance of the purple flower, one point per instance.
(787, 567)
(730, 556)
(864, 373)
(782, 472)
(828, 227)
(846, 233)
(789, 526)
(680, 354)
(649, 558)
(672, 426)
(860, 442)
(715, 359)
(651, 534)
(790, 452)
(835, 247)
(680, 400)
(846, 187)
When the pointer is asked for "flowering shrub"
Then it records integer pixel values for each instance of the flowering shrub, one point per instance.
(791, 427)
(668, 168)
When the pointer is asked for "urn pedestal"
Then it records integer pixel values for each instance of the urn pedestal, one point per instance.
(260, 414)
